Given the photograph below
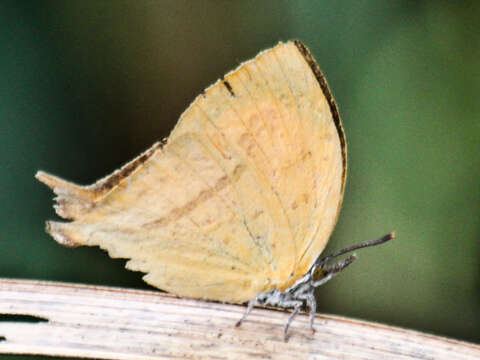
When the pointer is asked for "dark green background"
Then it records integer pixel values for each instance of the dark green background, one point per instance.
(87, 85)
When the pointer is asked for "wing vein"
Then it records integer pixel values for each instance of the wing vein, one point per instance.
(254, 241)
(215, 193)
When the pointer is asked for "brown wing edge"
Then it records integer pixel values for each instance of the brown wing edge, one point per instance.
(74, 200)
(331, 102)
(107, 183)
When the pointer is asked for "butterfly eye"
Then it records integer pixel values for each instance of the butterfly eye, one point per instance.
(318, 273)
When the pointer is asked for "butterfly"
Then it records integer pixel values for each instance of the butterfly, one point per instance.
(239, 202)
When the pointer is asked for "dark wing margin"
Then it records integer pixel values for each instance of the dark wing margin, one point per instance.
(331, 102)
(110, 181)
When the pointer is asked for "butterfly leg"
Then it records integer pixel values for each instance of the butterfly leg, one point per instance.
(294, 313)
(312, 305)
(250, 306)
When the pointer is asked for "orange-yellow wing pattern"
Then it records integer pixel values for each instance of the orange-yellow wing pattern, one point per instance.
(241, 199)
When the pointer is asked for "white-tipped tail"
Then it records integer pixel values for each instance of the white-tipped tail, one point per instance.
(72, 199)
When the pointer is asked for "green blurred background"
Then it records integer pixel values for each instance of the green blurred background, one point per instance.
(85, 86)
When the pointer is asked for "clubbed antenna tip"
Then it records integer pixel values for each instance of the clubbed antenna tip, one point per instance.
(360, 245)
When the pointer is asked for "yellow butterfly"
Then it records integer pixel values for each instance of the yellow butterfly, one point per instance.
(239, 202)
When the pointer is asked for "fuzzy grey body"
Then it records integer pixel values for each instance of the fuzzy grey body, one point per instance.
(302, 292)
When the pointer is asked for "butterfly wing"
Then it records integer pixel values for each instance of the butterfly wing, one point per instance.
(241, 199)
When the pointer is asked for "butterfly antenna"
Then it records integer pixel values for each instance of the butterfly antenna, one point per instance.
(320, 262)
